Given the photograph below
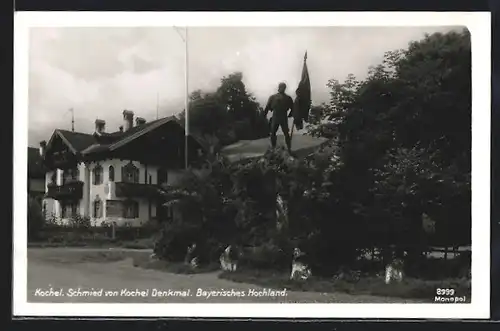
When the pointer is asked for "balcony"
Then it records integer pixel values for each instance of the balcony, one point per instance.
(72, 190)
(136, 190)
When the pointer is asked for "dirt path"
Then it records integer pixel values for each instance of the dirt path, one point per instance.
(122, 275)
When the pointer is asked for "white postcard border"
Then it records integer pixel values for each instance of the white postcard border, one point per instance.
(478, 23)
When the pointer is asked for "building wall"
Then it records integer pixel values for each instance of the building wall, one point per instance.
(106, 191)
(49, 204)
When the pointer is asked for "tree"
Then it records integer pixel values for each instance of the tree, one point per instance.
(242, 108)
(405, 137)
(230, 113)
(205, 213)
(35, 218)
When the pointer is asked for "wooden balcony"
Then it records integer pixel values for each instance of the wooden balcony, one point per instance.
(136, 190)
(72, 190)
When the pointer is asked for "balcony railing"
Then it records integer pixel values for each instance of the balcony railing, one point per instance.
(72, 190)
(136, 190)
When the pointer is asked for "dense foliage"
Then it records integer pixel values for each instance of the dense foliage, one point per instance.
(35, 218)
(230, 113)
(395, 176)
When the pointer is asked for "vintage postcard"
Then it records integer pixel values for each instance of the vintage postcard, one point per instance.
(286, 165)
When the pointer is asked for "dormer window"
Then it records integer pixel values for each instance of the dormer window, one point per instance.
(97, 175)
(130, 173)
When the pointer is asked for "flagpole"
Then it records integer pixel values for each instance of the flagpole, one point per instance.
(157, 103)
(186, 100)
(72, 111)
(186, 96)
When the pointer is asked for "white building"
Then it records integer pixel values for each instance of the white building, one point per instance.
(113, 177)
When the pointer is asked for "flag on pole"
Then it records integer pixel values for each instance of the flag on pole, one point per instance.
(302, 102)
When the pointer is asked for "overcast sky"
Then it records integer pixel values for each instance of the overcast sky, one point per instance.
(99, 72)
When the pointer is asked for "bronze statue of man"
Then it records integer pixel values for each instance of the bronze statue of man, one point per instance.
(279, 104)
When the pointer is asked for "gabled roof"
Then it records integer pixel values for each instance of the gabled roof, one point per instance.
(140, 130)
(87, 144)
(35, 163)
(302, 145)
(77, 141)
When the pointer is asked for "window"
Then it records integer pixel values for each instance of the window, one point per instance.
(64, 211)
(162, 176)
(53, 177)
(111, 173)
(69, 210)
(75, 174)
(130, 173)
(114, 208)
(130, 209)
(97, 208)
(74, 209)
(70, 175)
(97, 175)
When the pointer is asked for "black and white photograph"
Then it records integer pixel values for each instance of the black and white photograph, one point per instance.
(226, 160)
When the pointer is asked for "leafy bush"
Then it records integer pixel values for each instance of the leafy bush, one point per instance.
(78, 221)
(267, 256)
(35, 218)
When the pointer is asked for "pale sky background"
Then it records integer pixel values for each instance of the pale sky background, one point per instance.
(99, 72)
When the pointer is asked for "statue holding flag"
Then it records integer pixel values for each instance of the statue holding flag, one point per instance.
(280, 103)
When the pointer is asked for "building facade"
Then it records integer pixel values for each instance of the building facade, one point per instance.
(114, 177)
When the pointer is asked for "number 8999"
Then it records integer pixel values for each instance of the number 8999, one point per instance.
(445, 291)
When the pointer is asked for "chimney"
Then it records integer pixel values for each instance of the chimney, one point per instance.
(121, 128)
(100, 126)
(43, 144)
(139, 121)
(128, 119)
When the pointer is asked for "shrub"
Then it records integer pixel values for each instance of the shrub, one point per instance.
(35, 219)
(174, 241)
(81, 222)
(267, 256)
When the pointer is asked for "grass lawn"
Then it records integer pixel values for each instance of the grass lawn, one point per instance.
(409, 288)
(172, 267)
